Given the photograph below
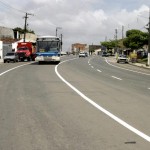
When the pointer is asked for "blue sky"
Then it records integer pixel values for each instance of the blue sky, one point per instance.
(82, 21)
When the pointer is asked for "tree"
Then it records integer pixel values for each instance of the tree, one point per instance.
(135, 39)
(21, 31)
(109, 45)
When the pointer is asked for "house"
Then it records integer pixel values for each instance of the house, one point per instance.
(9, 39)
(77, 47)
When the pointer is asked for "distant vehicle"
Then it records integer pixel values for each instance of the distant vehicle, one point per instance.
(11, 57)
(122, 58)
(26, 50)
(48, 49)
(105, 54)
(82, 54)
(86, 54)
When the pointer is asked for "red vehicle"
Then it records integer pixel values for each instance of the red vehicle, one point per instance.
(26, 50)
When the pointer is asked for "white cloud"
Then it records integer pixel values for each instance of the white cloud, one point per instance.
(84, 21)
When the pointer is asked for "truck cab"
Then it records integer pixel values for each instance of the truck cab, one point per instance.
(25, 50)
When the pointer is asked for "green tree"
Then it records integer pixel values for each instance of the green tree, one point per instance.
(135, 39)
(109, 44)
(21, 31)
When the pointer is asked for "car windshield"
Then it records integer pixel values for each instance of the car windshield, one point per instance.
(123, 56)
(22, 48)
(10, 54)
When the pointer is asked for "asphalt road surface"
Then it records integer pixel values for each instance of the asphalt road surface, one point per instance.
(81, 104)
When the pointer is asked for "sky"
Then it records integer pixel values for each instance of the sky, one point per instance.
(79, 21)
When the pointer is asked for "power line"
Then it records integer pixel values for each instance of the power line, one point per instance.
(9, 6)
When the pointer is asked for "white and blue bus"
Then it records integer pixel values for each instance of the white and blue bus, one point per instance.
(48, 49)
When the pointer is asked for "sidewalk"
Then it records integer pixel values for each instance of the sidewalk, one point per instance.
(113, 59)
(1, 61)
(140, 65)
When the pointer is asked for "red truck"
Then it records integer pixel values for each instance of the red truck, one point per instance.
(26, 50)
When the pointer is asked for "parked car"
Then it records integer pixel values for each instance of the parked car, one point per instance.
(11, 57)
(86, 54)
(105, 54)
(82, 54)
(122, 58)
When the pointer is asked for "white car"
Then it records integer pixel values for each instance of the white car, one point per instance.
(122, 58)
(11, 57)
(82, 54)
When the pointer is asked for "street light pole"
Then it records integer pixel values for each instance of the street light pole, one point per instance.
(57, 30)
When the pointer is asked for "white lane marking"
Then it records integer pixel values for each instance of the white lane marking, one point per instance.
(92, 67)
(149, 88)
(126, 69)
(120, 121)
(99, 70)
(12, 69)
(116, 78)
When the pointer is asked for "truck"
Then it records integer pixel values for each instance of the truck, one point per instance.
(26, 51)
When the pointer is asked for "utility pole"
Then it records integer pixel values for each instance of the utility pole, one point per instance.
(116, 34)
(149, 40)
(25, 26)
(61, 42)
(122, 32)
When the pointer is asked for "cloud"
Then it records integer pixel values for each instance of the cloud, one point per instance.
(83, 21)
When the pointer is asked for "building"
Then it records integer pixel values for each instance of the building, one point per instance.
(92, 48)
(9, 40)
(6, 33)
(77, 47)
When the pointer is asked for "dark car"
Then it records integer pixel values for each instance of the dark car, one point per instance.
(105, 54)
(11, 57)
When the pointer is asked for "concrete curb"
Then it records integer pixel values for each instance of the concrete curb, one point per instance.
(113, 59)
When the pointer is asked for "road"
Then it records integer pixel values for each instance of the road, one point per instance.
(81, 104)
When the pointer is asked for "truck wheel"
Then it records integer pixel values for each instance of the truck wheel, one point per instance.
(28, 59)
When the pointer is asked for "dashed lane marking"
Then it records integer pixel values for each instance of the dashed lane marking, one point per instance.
(116, 78)
(99, 70)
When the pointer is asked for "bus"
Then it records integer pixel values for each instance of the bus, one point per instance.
(48, 49)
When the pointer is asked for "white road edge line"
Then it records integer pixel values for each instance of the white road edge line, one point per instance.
(126, 69)
(116, 78)
(13, 69)
(123, 123)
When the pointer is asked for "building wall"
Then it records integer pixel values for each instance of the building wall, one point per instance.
(29, 37)
(77, 47)
(92, 48)
(6, 32)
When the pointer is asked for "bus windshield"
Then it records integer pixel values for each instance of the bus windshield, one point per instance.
(47, 46)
